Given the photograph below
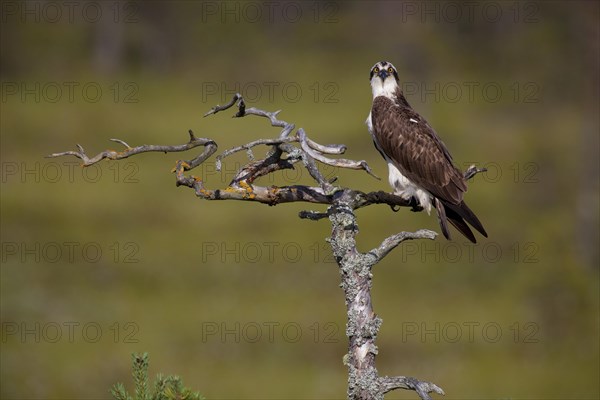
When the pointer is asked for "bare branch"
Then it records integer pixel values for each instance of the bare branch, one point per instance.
(236, 97)
(402, 382)
(327, 149)
(312, 215)
(381, 197)
(308, 152)
(248, 146)
(242, 111)
(272, 116)
(393, 241)
(312, 150)
(146, 148)
(472, 171)
(256, 169)
(340, 162)
(243, 191)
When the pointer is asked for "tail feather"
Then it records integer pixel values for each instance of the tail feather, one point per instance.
(465, 212)
(441, 214)
(457, 214)
(459, 223)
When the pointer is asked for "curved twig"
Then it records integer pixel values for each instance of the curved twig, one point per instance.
(402, 382)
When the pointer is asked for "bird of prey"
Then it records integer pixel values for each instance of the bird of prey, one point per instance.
(420, 167)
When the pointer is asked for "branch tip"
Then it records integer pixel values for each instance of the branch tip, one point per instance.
(368, 169)
(423, 389)
(121, 142)
(472, 171)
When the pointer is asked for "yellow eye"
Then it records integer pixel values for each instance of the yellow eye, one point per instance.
(376, 70)
(390, 70)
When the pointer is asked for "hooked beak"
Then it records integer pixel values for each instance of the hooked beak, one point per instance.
(383, 74)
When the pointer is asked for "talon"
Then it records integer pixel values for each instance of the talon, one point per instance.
(415, 206)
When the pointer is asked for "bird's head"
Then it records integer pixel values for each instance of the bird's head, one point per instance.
(384, 79)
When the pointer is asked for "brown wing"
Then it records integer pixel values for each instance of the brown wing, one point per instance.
(416, 150)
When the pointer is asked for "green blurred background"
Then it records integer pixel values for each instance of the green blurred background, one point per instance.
(242, 300)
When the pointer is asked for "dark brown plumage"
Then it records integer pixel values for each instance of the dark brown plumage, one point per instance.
(418, 153)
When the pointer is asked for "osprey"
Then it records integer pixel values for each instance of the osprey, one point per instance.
(420, 167)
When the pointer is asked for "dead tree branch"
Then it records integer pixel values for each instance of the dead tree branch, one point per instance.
(286, 152)
(210, 148)
(390, 243)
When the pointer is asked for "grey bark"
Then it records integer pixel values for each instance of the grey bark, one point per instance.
(364, 382)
